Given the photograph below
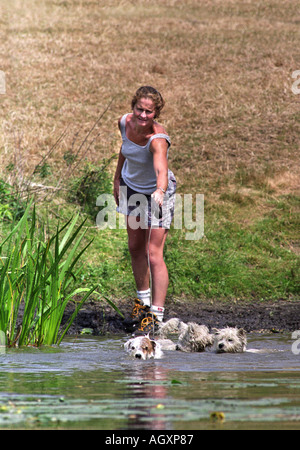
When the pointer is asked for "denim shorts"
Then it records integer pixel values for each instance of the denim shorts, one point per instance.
(145, 209)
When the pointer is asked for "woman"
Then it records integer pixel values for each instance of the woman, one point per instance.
(143, 169)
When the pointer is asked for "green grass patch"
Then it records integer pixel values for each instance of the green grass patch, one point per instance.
(233, 260)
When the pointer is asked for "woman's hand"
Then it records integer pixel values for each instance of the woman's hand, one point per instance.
(158, 197)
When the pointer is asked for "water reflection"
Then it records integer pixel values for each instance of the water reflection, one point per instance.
(148, 381)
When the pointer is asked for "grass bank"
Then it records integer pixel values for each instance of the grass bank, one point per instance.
(225, 70)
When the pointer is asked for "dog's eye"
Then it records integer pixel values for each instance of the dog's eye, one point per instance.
(230, 340)
(132, 347)
(145, 348)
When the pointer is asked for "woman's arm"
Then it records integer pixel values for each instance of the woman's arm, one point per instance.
(159, 148)
(117, 176)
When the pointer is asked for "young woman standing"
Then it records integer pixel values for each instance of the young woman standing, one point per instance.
(143, 169)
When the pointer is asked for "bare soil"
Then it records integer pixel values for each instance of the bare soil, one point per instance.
(276, 316)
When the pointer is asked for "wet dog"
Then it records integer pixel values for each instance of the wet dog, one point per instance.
(192, 337)
(142, 347)
(172, 326)
(229, 340)
(195, 338)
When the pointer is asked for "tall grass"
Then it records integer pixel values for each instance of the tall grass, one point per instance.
(37, 280)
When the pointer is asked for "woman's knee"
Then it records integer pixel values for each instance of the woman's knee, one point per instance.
(156, 257)
(136, 247)
(136, 250)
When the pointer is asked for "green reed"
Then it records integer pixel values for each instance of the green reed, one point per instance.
(38, 279)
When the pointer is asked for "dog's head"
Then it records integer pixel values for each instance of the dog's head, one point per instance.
(230, 340)
(142, 347)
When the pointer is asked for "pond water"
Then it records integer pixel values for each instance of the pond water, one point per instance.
(91, 383)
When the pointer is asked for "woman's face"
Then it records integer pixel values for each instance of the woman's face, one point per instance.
(144, 112)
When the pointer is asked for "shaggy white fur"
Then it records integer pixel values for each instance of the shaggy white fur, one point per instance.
(195, 338)
(192, 337)
(172, 326)
(229, 340)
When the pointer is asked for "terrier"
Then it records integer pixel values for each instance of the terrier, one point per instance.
(192, 337)
(172, 326)
(142, 347)
(195, 338)
(229, 340)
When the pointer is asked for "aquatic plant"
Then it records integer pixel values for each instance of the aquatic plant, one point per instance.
(38, 279)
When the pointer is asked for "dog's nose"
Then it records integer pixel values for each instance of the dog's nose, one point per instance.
(138, 355)
(221, 345)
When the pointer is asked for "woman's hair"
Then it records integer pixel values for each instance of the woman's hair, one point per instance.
(153, 94)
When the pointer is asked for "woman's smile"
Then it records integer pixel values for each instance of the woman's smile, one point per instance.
(144, 111)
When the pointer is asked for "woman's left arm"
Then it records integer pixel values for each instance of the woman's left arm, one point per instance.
(159, 149)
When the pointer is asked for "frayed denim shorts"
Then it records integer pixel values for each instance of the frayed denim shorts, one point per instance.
(146, 211)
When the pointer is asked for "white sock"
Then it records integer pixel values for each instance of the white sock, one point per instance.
(158, 311)
(144, 296)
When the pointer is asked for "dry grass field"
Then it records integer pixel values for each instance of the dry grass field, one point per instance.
(224, 68)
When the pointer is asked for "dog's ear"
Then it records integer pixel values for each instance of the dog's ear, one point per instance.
(242, 333)
(153, 344)
(127, 344)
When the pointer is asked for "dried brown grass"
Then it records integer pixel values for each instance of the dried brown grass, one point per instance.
(223, 66)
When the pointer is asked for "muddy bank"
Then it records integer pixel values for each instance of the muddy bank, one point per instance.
(278, 316)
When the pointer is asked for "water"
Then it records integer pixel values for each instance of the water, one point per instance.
(90, 383)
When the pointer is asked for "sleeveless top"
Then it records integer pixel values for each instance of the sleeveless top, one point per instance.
(138, 172)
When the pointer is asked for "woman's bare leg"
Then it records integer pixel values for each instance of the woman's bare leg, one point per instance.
(137, 245)
(159, 272)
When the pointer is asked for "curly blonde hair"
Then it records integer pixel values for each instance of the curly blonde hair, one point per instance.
(153, 94)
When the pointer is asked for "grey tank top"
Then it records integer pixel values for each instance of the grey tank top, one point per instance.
(138, 172)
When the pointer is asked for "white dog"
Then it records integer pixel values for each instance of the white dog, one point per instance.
(229, 340)
(172, 326)
(195, 338)
(142, 347)
(192, 337)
